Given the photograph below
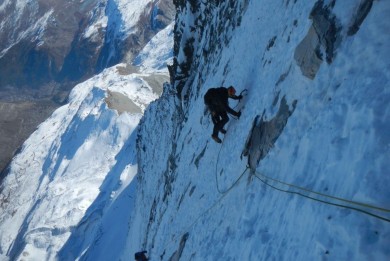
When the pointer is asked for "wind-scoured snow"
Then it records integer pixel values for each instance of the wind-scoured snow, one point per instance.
(121, 16)
(3, 5)
(162, 43)
(130, 14)
(92, 31)
(209, 206)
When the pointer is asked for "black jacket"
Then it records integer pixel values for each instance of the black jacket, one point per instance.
(216, 100)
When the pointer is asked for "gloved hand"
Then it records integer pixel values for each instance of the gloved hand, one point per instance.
(240, 97)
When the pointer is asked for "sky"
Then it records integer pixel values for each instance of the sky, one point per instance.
(95, 184)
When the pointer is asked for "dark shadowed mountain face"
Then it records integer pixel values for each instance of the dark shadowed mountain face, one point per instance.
(59, 43)
(37, 36)
(48, 46)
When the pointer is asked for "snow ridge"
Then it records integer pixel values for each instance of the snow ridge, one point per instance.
(75, 170)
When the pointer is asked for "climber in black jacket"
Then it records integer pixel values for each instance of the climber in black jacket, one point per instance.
(216, 99)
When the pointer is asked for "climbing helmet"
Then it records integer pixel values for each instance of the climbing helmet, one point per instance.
(231, 91)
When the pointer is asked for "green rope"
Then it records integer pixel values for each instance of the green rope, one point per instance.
(326, 195)
(319, 200)
(189, 227)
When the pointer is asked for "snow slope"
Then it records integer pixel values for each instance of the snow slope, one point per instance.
(76, 166)
(326, 147)
(155, 48)
(202, 203)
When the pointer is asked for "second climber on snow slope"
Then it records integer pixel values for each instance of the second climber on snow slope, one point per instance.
(216, 100)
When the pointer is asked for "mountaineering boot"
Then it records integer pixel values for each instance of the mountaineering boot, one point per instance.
(218, 140)
(223, 131)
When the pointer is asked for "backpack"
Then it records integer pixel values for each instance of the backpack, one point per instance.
(210, 101)
(207, 98)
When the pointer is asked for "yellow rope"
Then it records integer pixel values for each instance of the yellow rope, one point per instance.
(366, 205)
(324, 201)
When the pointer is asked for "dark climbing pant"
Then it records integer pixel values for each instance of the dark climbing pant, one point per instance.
(219, 120)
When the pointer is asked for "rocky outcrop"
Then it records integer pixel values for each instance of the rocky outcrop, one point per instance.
(321, 40)
(37, 38)
(205, 40)
(264, 134)
(17, 123)
(364, 9)
(325, 35)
